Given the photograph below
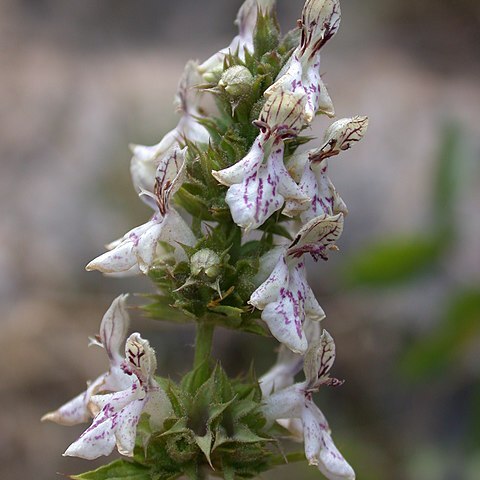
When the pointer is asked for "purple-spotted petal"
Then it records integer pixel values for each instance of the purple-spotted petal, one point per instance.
(248, 166)
(313, 310)
(126, 429)
(76, 410)
(269, 290)
(116, 423)
(319, 447)
(262, 192)
(140, 245)
(287, 301)
(318, 98)
(285, 316)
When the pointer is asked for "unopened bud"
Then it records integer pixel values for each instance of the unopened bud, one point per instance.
(236, 81)
(205, 260)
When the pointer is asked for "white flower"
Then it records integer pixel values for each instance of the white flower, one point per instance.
(113, 331)
(260, 183)
(310, 170)
(137, 250)
(119, 412)
(301, 73)
(146, 158)
(285, 296)
(288, 363)
(246, 21)
(293, 407)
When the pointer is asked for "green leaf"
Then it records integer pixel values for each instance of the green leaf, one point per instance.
(244, 435)
(393, 261)
(194, 379)
(118, 470)
(437, 352)
(205, 445)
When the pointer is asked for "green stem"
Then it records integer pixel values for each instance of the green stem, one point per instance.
(203, 343)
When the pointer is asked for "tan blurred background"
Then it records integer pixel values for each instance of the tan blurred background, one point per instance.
(80, 80)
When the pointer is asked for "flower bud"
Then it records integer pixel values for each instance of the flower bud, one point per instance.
(236, 81)
(320, 22)
(205, 260)
(283, 114)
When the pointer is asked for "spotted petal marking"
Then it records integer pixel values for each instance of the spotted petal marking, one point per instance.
(318, 363)
(317, 237)
(319, 447)
(287, 300)
(115, 424)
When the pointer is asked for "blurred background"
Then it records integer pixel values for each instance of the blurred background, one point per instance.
(80, 80)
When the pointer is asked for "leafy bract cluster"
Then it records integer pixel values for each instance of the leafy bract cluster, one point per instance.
(237, 208)
(215, 421)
